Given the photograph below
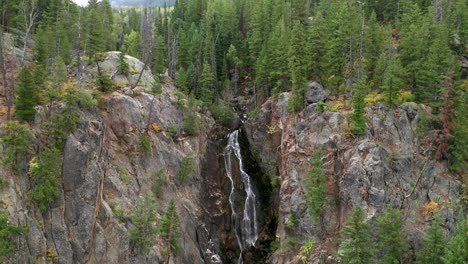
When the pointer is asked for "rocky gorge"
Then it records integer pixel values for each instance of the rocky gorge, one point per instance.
(104, 176)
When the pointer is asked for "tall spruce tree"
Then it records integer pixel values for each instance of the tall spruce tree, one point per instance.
(356, 247)
(434, 244)
(27, 96)
(298, 61)
(456, 252)
(391, 242)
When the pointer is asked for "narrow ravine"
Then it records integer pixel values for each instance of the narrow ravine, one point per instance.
(244, 221)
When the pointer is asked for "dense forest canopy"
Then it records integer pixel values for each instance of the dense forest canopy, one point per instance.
(366, 52)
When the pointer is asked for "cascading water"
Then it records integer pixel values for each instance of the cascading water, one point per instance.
(246, 230)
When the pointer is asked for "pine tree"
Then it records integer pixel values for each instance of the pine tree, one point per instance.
(8, 233)
(317, 46)
(358, 117)
(17, 141)
(391, 243)
(143, 233)
(392, 79)
(316, 186)
(27, 96)
(45, 174)
(133, 44)
(169, 230)
(205, 91)
(95, 37)
(434, 244)
(374, 39)
(456, 252)
(356, 247)
(298, 66)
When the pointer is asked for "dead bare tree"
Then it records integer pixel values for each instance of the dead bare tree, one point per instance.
(29, 10)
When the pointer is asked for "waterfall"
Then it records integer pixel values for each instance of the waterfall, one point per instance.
(245, 229)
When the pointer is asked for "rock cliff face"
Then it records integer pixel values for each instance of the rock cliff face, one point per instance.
(388, 167)
(104, 176)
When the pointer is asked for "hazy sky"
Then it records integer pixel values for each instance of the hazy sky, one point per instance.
(81, 2)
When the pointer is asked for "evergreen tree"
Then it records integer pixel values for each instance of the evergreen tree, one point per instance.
(45, 174)
(8, 233)
(205, 91)
(27, 96)
(298, 66)
(95, 34)
(434, 244)
(358, 117)
(123, 67)
(392, 79)
(456, 252)
(391, 243)
(356, 247)
(169, 229)
(18, 142)
(317, 46)
(143, 232)
(133, 44)
(374, 39)
(316, 186)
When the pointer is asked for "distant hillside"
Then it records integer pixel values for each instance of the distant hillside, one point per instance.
(142, 2)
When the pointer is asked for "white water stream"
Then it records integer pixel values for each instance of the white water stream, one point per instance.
(246, 228)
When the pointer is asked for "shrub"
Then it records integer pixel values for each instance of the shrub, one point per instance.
(80, 99)
(288, 244)
(45, 172)
(160, 182)
(169, 228)
(62, 125)
(222, 114)
(187, 167)
(17, 141)
(315, 186)
(143, 217)
(405, 96)
(295, 103)
(192, 124)
(104, 83)
(144, 144)
(123, 67)
(374, 97)
(291, 221)
(7, 234)
(156, 88)
(172, 130)
(305, 250)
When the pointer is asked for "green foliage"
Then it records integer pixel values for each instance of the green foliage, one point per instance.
(104, 83)
(156, 88)
(358, 116)
(315, 186)
(288, 244)
(18, 143)
(291, 221)
(80, 99)
(356, 246)
(3, 183)
(7, 234)
(393, 79)
(296, 102)
(144, 144)
(192, 124)
(321, 106)
(170, 229)
(434, 244)
(305, 251)
(222, 113)
(27, 96)
(457, 143)
(275, 181)
(143, 230)
(160, 183)
(172, 130)
(182, 80)
(133, 44)
(456, 252)
(123, 67)
(186, 170)
(205, 91)
(391, 242)
(62, 125)
(45, 173)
